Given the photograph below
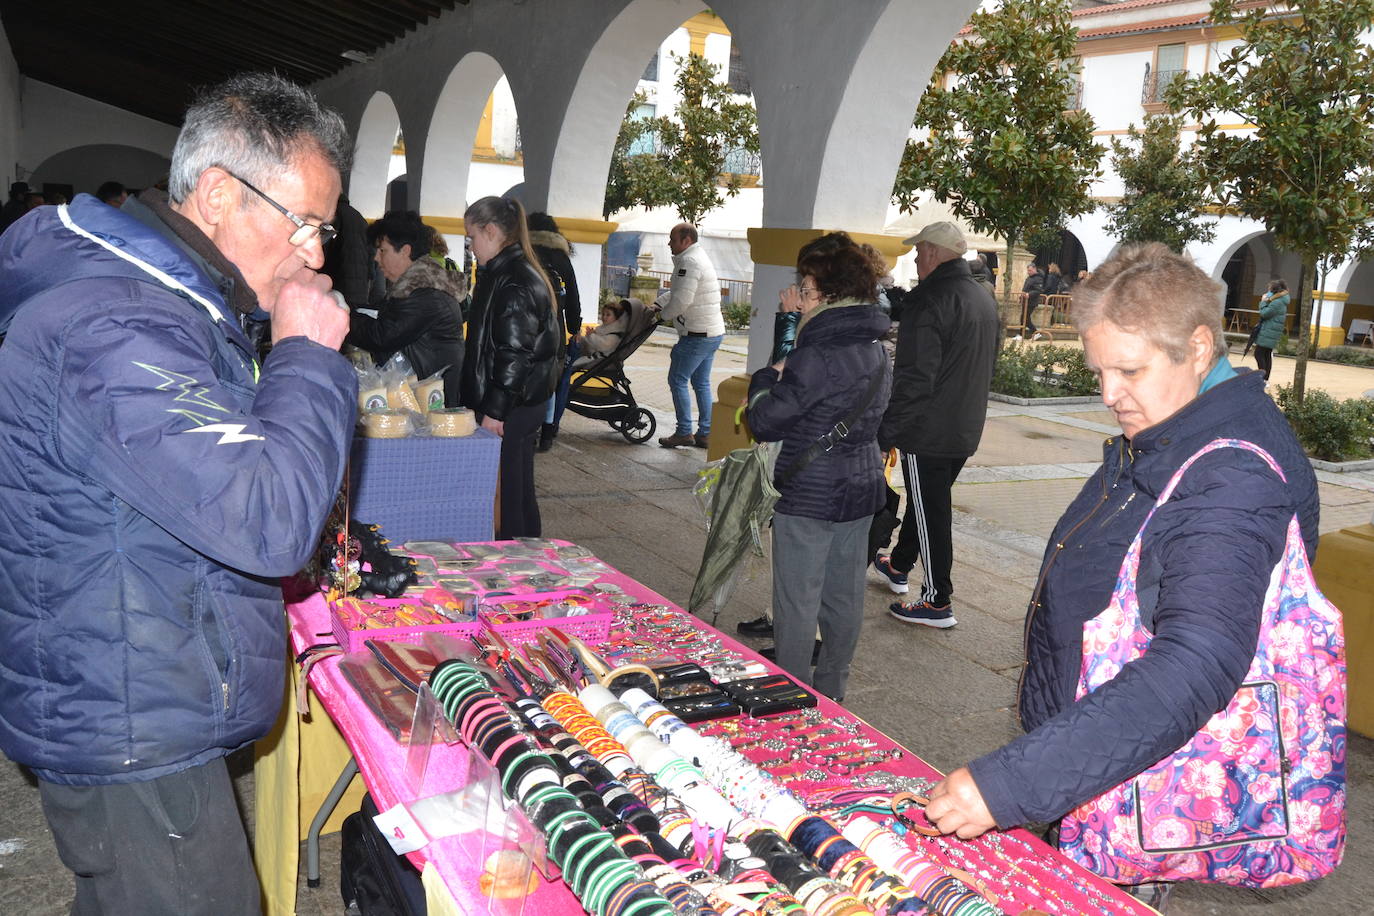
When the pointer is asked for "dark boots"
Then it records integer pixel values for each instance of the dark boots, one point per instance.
(547, 433)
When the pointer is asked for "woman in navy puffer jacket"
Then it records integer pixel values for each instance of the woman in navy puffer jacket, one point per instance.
(1151, 328)
(820, 525)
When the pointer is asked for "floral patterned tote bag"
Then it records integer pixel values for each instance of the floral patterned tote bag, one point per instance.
(1257, 797)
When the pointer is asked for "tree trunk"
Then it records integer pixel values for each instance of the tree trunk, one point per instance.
(1309, 265)
(1007, 279)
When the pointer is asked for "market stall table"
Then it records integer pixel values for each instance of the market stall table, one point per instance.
(298, 766)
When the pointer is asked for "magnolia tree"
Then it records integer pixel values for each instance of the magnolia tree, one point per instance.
(1302, 82)
(1004, 144)
(1165, 193)
(684, 166)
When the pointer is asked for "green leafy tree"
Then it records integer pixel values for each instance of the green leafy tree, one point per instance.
(686, 168)
(1004, 149)
(1304, 80)
(1165, 191)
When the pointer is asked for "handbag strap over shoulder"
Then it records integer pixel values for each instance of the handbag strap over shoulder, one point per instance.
(1207, 449)
(840, 430)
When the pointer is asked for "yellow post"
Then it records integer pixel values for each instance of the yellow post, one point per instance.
(1344, 561)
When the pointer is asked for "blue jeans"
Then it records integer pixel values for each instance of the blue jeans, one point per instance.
(553, 410)
(690, 364)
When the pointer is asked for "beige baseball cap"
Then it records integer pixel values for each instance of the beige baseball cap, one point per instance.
(944, 233)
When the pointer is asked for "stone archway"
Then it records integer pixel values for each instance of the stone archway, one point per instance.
(582, 156)
(376, 137)
(86, 167)
(452, 134)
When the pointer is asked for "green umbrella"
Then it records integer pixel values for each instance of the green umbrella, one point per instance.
(738, 495)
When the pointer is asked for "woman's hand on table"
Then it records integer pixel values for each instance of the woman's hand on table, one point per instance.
(494, 425)
(956, 806)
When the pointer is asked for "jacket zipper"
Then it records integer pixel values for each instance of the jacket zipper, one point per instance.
(1044, 572)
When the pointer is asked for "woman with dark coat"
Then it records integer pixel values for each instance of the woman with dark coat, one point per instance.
(420, 316)
(555, 256)
(1273, 315)
(1151, 328)
(514, 351)
(820, 524)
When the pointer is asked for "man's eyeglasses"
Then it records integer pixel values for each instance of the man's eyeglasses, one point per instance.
(304, 231)
(808, 289)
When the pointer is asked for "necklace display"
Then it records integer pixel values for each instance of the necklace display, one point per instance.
(647, 814)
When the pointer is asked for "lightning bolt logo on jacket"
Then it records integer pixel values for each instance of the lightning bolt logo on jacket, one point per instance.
(190, 392)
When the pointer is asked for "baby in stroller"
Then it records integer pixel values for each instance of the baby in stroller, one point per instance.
(601, 341)
(594, 384)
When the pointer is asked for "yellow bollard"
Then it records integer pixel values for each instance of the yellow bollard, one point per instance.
(1344, 561)
(727, 434)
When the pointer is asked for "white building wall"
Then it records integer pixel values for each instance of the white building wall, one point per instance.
(70, 120)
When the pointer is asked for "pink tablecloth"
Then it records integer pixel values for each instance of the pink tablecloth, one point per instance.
(382, 763)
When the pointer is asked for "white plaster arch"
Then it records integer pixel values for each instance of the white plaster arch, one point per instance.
(376, 136)
(452, 132)
(862, 152)
(88, 166)
(1217, 255)
(1341, 276)
(833, 124)
(604, 85)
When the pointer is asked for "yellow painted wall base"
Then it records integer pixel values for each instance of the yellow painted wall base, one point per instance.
(1328, 337)
(1344, 559)
(725, 435)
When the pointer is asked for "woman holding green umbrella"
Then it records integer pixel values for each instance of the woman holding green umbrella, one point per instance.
(824, 402)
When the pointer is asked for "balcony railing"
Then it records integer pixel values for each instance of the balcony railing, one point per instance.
(1157, 83)
(742, 162)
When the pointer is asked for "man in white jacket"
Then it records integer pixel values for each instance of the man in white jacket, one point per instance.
(693, 310)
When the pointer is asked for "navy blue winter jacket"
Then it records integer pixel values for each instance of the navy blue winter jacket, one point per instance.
(827, 376)
(154, 484)
(1205, 565)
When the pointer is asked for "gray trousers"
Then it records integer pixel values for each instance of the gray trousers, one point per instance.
(818, 580)
(171, 846)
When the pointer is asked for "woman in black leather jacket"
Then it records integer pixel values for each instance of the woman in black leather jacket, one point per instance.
(514, 351)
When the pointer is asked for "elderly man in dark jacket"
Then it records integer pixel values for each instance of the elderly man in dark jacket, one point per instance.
(155, 483)
(946, 347)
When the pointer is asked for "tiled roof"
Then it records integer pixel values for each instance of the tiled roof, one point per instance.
(1117, 7)
(1147, 25)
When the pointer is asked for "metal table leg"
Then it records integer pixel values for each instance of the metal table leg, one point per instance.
(312, 839)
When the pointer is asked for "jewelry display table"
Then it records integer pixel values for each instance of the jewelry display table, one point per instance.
(827, 757)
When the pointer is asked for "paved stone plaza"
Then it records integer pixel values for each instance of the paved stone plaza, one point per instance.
(947, 694)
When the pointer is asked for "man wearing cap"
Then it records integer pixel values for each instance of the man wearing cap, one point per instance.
(946, 347)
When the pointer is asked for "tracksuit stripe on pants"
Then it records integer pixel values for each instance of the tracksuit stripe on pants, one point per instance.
(917, 512)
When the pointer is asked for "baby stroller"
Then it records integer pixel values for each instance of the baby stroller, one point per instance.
(600, 390)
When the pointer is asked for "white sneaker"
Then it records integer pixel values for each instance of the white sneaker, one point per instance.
(1038, 336)
(1017, 337)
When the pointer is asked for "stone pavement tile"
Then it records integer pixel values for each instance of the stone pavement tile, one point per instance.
(1031, 507)
(995, 596)
(1355, 480)
(1100, 416)
(1032, 545)
(983, 638)
(994, 559)
(980, 474)
(1016, 440)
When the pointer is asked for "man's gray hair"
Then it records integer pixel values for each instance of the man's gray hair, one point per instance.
(254, 125)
